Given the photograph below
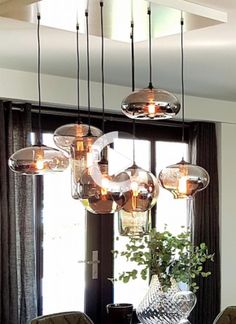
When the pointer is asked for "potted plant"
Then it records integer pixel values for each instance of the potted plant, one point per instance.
(169, 260)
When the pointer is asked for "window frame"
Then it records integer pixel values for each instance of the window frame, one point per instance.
(98, 293)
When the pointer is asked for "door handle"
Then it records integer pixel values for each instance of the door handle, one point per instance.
(94, 262)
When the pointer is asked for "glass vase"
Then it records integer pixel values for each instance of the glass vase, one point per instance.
(165, 307)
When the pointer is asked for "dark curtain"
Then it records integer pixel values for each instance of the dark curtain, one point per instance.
(205, 220)
(17, 250)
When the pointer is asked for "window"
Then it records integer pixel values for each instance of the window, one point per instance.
(64, 231)
(70, 235)
(172, 213)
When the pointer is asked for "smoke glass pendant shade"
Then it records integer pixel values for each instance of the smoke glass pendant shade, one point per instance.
(134, 224)
(81, 158)
(96, 196)
(183, 179)
(150, 103)
(38, 160)
(65, 135)
(140, 186)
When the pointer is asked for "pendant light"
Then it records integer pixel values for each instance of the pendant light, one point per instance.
(81, 147)
(77, 139)
(38, 159)
(141, 185)
(150, 103)
(64, 136)
(97, 197)
(183, 179)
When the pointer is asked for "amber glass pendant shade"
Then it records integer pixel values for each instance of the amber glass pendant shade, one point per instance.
(38, 160)
(150, 103)
(183, 179)
(64, 136)
(140, 186)
(96, 196)
(133, 224)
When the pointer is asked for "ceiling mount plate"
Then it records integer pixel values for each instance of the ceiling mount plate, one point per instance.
(63, 14)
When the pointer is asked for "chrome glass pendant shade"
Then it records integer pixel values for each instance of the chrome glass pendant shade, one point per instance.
(65, 136)
(183, 179)
(95, 185)
(38, 160)
(140, 186)
(81, 158)
(150, 103)
(96, 196)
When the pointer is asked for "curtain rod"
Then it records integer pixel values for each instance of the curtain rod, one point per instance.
(65, 112)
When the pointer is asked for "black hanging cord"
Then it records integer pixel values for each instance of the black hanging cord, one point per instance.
(78, 74)
(182, 72)
(88, 73)
(133, 80)
(132, 54)
(102, 69)
(39, 133)
(150, 86)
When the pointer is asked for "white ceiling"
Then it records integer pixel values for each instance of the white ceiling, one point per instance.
(210, 55)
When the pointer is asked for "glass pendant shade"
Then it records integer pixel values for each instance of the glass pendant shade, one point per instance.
(133, 224)
(150, 103)
(183, 179)
(81, 158)
(140, 186)
(65, 135)
(96, 196)
(38, 160)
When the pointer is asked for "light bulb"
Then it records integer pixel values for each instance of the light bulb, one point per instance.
(39, 164)
(183, 185)
(152, 109)
(104, 187)
(39, 155)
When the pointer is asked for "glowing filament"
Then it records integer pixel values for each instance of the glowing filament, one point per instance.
(104, 187)
(182, 187)
(183, 180)
(39, 156)
(79, 146)
(151, 108)
(134, 188)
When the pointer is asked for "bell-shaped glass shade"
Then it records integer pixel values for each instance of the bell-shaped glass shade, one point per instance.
(133, 224)
(150, 103)
(95, 190)
(65, 135)
(38, 160)
(183, 179)
(140, 186)
(81, 158)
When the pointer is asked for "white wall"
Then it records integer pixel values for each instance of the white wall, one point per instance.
(227, 174)
(62, 91)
